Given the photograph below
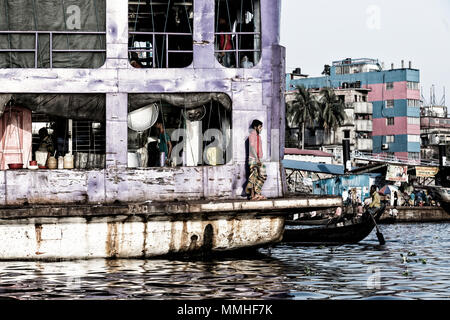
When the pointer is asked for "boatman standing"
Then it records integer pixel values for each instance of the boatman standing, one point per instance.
(257, 170)
(375, 204)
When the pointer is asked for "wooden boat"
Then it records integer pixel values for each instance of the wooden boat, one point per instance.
(339, 232)
(310, 222)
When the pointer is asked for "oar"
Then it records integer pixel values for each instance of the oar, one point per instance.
(379, 234)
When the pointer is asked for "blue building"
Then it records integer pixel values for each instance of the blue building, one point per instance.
(394, 94)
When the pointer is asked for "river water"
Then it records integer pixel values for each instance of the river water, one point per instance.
(414, 264)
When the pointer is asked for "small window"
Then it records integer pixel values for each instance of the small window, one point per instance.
(414, 155)
(413, 138)
(160, 33)
(413, 85)
(389, 85)
(390, 121)
(238, 33)
(346, 134)
(389, 103)
(413, 103)
(390, 139)
(52, 34)
(414, 121)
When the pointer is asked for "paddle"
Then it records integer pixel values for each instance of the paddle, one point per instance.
(379, 234)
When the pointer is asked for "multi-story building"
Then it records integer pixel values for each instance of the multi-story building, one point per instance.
(395, 97)
(357, 126)
(434, 130)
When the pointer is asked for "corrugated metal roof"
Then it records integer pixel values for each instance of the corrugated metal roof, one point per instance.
(304, 152)
(313, 167)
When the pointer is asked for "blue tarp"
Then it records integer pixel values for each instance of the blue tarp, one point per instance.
(335, 186)
(313, 167)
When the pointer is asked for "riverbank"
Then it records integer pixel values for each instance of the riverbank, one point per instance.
(414, 214)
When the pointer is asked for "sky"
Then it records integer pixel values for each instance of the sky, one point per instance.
(317, 32)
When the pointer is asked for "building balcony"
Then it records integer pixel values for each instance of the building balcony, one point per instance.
(363, 125)
(364, 144)
(434, 123)
(363, 107)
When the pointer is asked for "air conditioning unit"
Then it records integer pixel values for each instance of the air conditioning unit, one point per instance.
(384, 146)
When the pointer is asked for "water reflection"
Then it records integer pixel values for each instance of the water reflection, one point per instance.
(363, 271)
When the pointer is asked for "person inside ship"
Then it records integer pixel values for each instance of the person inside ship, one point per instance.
(257, 170)
(164, 143)
(225, 43)
(46, 143)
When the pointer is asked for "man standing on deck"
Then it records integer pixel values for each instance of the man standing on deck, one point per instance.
(257, 170)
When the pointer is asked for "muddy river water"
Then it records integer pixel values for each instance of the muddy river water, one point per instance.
(414, 264)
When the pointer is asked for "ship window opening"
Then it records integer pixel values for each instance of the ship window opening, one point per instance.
(52, 34)
(238, 33)
(179, 130)
(75, 125)
(160, 33)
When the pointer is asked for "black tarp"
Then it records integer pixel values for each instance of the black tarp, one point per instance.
(92, 106)
(53, 15)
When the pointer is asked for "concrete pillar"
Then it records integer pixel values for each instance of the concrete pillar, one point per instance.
(204, 34)
(117, 34)
(116, 130)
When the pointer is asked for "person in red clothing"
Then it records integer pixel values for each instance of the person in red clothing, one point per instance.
(257, 170)
(225, 43)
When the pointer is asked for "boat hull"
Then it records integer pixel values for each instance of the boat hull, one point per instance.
(349, 232)
(132, 237)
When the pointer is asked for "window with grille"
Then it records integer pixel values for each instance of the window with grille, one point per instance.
(160, 33)
(413, 85)
(390, 139)
(41, 126)
(390, 121)
(389, 85)
(238, 33)
(413, 103)
(414, 155)
(52, 34)
(389, 103)
(413, 138)
(412, 120)
(89, 144)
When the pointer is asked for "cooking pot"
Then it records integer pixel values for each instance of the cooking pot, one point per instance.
(14, 166)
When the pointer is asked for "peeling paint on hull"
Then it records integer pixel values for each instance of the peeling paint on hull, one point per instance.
(131, 236)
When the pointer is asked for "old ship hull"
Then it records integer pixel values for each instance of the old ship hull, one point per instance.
(144, 230)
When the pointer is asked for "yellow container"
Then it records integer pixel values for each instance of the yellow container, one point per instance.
(68, 161)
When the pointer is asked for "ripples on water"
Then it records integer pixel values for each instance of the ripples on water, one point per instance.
(284, 272)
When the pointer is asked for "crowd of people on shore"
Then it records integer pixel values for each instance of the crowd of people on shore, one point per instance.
(406, 197)
(416, 198)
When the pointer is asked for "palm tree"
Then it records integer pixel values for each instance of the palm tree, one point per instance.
(332, 110)
(302, 110)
